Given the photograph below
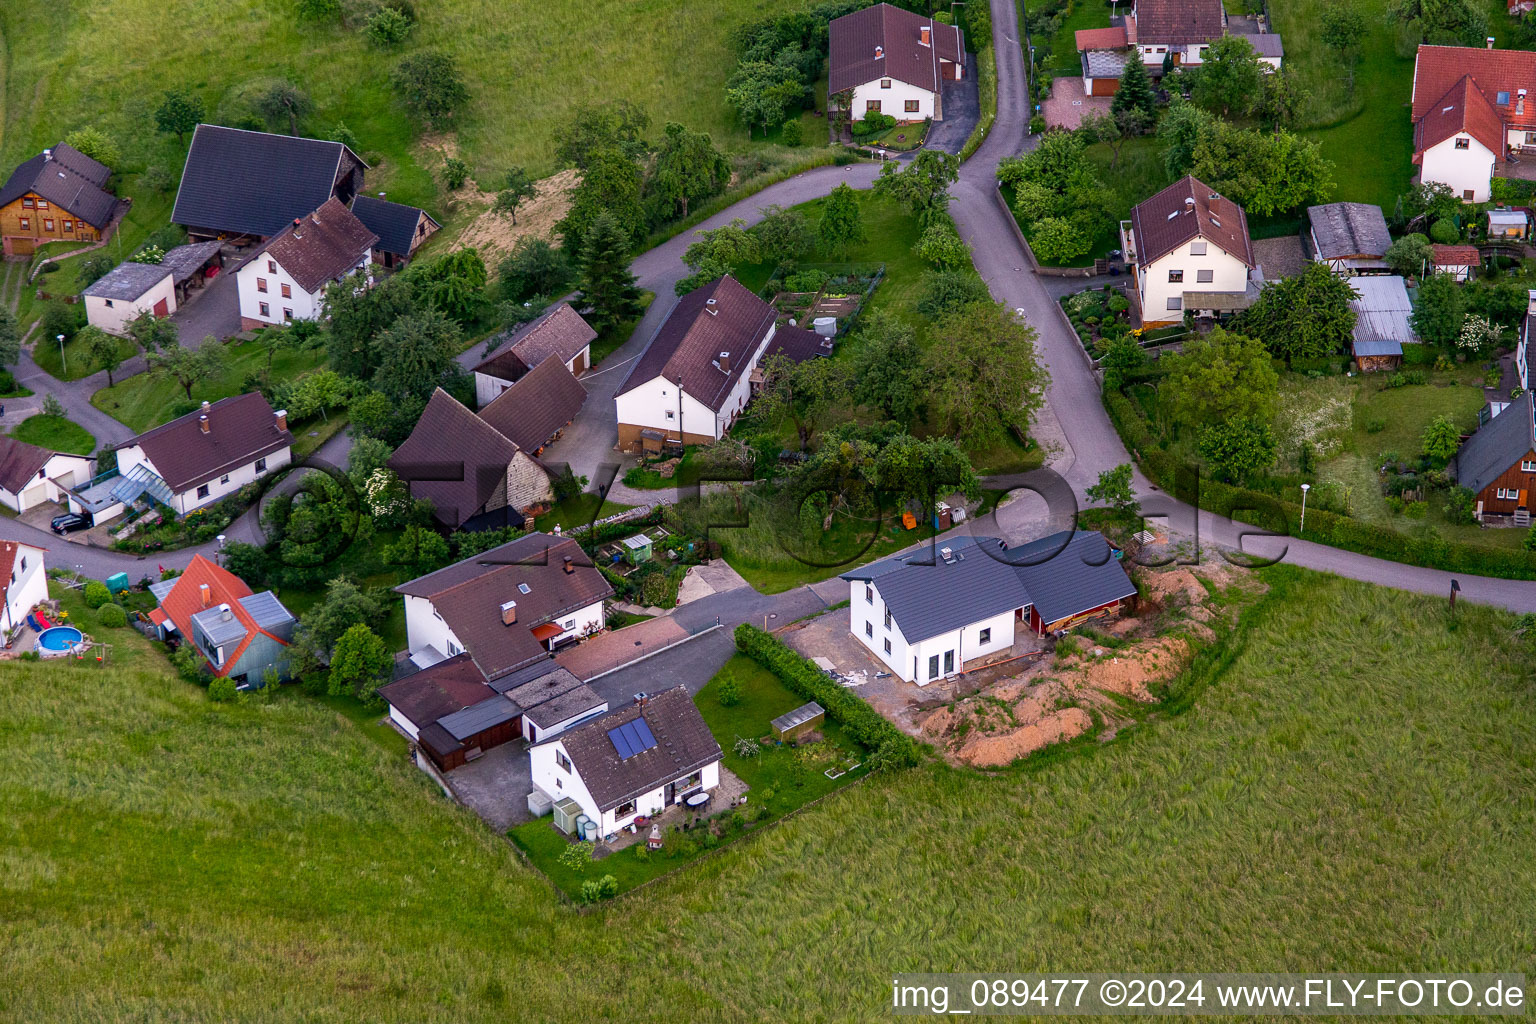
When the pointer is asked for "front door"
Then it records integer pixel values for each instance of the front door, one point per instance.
(949, 662)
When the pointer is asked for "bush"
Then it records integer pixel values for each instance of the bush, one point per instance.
(1036, 125)
(810, 280)
(792, 135)
(801, 677)
(157, 179)
(387, 28)
(455, 172)
(113, 616)
(747, 747)
(728, 691)
(594, 889)
(1444, 232)
(576, 857)
(221, 690)
(96, 594)
(872, 123)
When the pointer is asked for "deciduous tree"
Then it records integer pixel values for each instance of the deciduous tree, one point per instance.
(1438, 315)
(1230, 75)
(619, 125)
(806, 392)
(10, 337)
(517, 188)
(190, 367)
(416, 356)
(1267, 173)
(430, 85)
(96, 144)
(1238, 448)
(716, 253)
(986, 378)
(1114, 490)
(355, 316)
(533, 268)
(888, 367)
(842, 221)
(153, 333)
(688, 170)
(179, 113)
(1218, 377)
(610, 182)
(284, 101)
(1410, 255)
(923, 185)
(359, 663)
(784, 235)
(1302, 316)
(102, 348)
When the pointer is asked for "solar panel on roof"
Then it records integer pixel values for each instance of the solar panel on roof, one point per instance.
(631, 738)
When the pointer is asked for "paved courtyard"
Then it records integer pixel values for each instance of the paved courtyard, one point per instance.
(496, 785)
(1280, 257)
(1067, 106)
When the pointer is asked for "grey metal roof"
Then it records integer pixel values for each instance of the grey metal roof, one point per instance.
(1349, 229)
(127, 281)
(1060, 575)
(1501, 443)
(556, 678)
(162, 588)
(478, 717)
(802, 714)
(217, 629)
(1382, 309)
(1378, 348)
(1082, 575)
(1265, 44)
(267, 610)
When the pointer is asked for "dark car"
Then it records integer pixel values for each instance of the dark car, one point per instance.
(69, 522)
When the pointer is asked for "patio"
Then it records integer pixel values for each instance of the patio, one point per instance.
(730, 794)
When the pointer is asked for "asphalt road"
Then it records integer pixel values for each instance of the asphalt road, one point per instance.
(1073, 426)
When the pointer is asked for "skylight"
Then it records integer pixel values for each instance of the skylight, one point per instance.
(522, 588)
(1503, 99)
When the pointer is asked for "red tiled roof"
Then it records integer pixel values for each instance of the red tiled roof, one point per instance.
(1178, 22)
(1463, 108)
(1101, 38)
(1186, 210)
(1454, 255)
(854, 39)
(1438, 68)
(224, 587)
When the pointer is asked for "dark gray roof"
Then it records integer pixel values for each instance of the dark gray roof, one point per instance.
(1349, 229)
(254, 183)
(267, 610)
(186, 260)
(67, 178)
(454, 459)
(577, 700)
(537, 406)
(20, 463)
(217, 628)
(438, 691)
(127, 281)
(1378, 348)
(1265, 44)
(929, 594)
(324, 245)
(684, 744)
(722, 316)
(542, 681)
(394, 223)
(1502, 442)
(1082, 575)
(478, 717)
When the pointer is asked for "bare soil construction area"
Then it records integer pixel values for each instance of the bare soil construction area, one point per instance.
(1096, 676)
(493, 233)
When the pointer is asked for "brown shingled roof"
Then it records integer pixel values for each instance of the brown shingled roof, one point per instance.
(684, 744)
(722, 316)
(1186, 210)
(469, 595)
(241, 429)
(453, 458)
(560, 332)
(853, 39)
(321, 247)
(438, 690)
(536, 406)
(1178, 22)
(20, 463)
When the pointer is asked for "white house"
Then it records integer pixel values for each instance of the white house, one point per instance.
(1472, 107)
(1188, 248)
(128, 290)
(23, 583)
(31, 476)
(694, 377)
(894, 62)
(559, 332)
(927, 613)
(286, 278)
(1179, 32)
(638, 761)
(508, 607)
(205, 455)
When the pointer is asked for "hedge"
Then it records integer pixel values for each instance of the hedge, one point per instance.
(1272, 513)
(892, 747)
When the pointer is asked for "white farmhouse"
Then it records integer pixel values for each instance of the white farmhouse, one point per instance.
(638, 761)
(1176, 32)
(23, 583)
(894, 62)
(694, 377)
(927, 613)
(1472, 109)
(128, 290)
(286, 278)
(559, 332)
(1188, 248)
(205, 455)
(31, 476)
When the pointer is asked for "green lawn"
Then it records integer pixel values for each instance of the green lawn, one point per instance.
(1085, 14)
(55, 433)
(780, 778)
(578, 511)
(1347, 748)
(1406, 411)
(76, 360)
(142, 401)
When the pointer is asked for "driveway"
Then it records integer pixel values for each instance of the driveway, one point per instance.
(496, 785)
(213, 312)
(962, 109)
(1067, 105)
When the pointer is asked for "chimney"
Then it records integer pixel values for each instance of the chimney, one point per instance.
(725, 362)
(281, 416)
(47, 154)
(1490, 42)
(204, 594)
(925, 38)
(569, 564)
(508, 613)
(224, 613)
(879, 53)
(202, 422)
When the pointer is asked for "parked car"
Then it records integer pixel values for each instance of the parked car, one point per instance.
(70, 522)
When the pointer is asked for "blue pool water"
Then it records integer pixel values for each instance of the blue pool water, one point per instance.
(59, 638)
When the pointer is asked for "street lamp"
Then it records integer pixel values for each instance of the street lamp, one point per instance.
(1304, 489)
(62, 365)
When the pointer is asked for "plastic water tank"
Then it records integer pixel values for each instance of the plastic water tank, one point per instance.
(826, 326)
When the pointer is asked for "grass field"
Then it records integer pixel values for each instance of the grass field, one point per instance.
(55, 433)
(579, 511)
(76, 361)
(143, 401)
(1349, 790)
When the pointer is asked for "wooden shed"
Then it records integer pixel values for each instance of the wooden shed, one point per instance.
(793, 724)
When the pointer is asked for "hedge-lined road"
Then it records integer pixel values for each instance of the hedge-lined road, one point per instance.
(1073, 426)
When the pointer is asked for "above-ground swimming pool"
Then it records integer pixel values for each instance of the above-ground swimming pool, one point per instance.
(58, 640)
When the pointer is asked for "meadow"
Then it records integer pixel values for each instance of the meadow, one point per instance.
(1347, 788)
